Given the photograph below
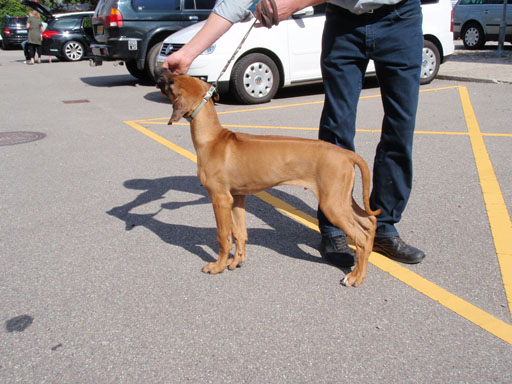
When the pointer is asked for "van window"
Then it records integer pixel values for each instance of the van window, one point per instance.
(144, 5)
(199, 4)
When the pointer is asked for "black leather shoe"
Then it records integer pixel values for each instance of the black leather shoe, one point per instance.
(396, 249)
(337, 252)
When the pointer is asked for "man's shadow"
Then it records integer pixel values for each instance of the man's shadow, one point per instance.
(283, 235)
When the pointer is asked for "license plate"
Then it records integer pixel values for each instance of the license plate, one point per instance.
(132, 45)
(22, 32)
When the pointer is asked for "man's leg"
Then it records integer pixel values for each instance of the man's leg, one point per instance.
(343, 68)
(397, 64)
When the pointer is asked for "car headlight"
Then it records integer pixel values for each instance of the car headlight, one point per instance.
(209, 50)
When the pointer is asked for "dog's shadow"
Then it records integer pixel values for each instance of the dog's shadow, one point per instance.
(281, 234)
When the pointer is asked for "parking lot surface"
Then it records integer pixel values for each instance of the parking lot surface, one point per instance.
(105, 228)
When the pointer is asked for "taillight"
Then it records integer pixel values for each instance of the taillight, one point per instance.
(451, 21)
(7, 32)
(49, 34)
(115, 19)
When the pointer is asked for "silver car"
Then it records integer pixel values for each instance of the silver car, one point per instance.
(478, 21)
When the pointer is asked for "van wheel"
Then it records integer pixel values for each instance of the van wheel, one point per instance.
(431, 62)
(255, 79)
(473, 36)
(151, 60)
(131, 66)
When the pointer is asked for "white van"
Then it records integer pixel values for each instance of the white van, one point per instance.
(289, 54)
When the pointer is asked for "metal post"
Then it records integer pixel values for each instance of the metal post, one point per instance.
(503, 25)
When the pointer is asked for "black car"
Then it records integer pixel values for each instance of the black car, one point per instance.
(14, 31)
(67, 35)
(132, 31)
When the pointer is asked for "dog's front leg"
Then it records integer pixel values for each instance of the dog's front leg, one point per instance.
(239, 231)
(222, 205)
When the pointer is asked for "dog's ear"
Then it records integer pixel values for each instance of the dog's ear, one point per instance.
(164, 79)
(178, 110)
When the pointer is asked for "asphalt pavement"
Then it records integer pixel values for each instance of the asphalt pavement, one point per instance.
(104, 229)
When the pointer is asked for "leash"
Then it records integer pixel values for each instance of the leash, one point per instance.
(268, 20)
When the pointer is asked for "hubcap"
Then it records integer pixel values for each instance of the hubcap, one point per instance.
(472, 36)
(258, 80)
(74, 51)
(428, 66)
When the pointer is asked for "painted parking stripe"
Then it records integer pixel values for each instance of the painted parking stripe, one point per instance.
(499, 218)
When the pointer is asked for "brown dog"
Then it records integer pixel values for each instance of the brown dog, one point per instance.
(232, 165)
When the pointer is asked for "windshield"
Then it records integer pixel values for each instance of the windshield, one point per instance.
(14, 21)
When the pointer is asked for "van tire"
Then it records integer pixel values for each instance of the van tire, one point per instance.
(131, 66)
(473, 36)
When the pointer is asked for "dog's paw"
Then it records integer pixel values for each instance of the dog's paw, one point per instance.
(213, 268)
(235, 262)
(351, 281)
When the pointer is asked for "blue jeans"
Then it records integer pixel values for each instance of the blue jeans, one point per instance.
(392, 37)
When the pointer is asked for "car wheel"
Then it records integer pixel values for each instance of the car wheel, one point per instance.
(5, 45)
(140, 74)
(255, 79)
(431, 62)
(473, 36)
(73, 51)
(151, 60)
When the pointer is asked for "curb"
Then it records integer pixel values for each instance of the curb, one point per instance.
(472, 79)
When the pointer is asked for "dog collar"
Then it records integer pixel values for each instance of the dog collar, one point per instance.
(206, 98)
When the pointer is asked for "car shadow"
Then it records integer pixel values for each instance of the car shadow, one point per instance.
(280, 233)
(114, 81)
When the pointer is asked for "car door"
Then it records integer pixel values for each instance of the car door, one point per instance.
(305, 44)
(493, 14)
(87, 33)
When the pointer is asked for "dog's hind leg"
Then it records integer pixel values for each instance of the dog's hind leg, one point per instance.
(357, 225)
(239, 231)
(363, 236)
(222, 206)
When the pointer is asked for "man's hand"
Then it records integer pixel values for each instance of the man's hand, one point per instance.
(177, 63)
(285, 8)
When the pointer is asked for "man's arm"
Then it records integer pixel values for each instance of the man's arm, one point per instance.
(216, 25)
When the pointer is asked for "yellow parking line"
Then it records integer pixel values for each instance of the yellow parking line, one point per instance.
(499, 219)
(465, 309)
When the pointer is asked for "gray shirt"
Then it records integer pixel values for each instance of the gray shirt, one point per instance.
(237, 10)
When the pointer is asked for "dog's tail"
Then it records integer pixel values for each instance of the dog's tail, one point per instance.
(365, 176)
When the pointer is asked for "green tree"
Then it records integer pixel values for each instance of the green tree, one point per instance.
(15, 8)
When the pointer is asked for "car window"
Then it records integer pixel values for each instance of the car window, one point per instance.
(171, 5)
(65, 23)
(483, 2)
(17, 20)
(199, 4)
(87, 22)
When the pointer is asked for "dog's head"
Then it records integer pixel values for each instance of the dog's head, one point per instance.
(185, 92)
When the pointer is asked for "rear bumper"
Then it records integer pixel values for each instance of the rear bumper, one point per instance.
(16, 39)
(118, 49)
